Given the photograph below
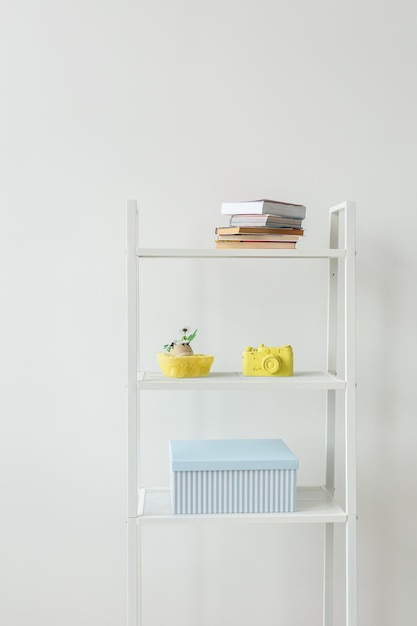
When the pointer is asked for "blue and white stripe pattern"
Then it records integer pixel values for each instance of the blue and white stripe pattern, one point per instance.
(234, 491)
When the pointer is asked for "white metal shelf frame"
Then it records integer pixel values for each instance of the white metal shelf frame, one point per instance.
(149, 506)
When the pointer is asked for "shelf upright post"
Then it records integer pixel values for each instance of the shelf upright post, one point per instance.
(132, 352)
(347, 212)
(332, 323)
(350, 413)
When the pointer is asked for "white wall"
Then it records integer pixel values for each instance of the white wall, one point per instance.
(183, 105)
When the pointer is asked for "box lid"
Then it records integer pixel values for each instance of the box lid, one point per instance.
(230, 454)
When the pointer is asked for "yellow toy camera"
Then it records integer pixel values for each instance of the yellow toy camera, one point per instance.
(264, 361)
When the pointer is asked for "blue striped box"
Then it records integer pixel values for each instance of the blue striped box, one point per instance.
(232, 476)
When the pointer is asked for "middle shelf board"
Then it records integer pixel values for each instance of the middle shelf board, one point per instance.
(213, 253)
(236, 381)
(314, 505)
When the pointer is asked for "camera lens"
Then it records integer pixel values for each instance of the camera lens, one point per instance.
(271, 364)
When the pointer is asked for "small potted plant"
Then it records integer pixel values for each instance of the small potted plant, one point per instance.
(181, 346)
(179, 360)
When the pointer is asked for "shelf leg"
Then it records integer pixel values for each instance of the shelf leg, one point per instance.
(351, 571)
(329, 528)
(328, 575)
(133, 575)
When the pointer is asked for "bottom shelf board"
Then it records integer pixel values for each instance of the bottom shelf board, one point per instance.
(314, 505)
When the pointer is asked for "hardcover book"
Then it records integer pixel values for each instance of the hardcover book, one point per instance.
(264, 220)
(262, 207)
(258, 230)
(254, 244)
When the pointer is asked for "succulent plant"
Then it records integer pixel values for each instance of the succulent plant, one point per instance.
(185, 339)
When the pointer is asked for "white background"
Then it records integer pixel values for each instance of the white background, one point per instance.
(183, 105)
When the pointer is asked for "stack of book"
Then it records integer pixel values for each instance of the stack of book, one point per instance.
(261, 224)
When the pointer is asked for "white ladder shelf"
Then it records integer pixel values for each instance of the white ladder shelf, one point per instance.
(315, 504)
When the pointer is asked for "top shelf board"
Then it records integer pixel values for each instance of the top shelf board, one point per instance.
(329, 253)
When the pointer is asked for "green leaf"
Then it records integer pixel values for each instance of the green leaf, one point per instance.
(191, 337)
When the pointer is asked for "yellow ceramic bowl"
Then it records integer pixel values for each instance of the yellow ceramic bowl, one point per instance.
(191, 366)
